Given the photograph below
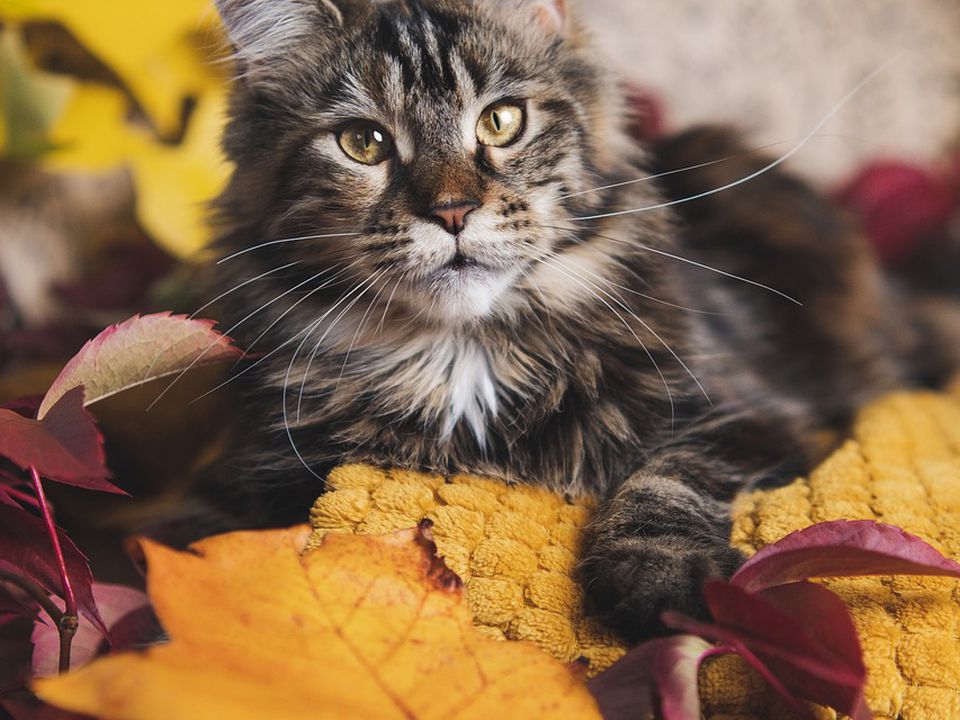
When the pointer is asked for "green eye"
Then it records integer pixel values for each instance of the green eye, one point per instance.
(500, 124)
(366, 143)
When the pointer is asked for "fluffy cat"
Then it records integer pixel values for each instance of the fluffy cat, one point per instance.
(450, 256)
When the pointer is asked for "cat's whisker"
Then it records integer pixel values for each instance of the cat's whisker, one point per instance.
(363, 285)
(363, 322)
(646, 350)
(307, 332)
(282, 241)
(765, 169)
(666, 173)
(386, 309)
(688, 261)
(617, 299)
(327, 283)
(228, 332)
(246, 282)
(576, 238)
(250, 367)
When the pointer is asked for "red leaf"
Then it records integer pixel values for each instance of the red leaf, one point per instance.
(803, 633)
(667, 667)
(65, 446)
(137, 351)
(26, 406)
(732, 640)
(25, 549)
(12, 607)
(843, 548)
(116, 603)
(800, 637)
(900, 204)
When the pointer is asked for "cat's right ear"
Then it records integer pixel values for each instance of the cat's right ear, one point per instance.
(264, 32)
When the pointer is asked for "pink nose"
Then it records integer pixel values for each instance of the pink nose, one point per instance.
(453, 215)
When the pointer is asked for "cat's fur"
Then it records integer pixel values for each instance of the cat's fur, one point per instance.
(582, 353)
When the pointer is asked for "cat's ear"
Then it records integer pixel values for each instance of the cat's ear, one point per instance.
(549, 15)
(260, 30)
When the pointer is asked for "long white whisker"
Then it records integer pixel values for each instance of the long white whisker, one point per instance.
(573, 236)
(327, 283)
(666, 173)
(362, 286)
(653, 332)
(282, 241)
(286, 382)
(226, 332)
(386, 309)
(250, 367)
(688, 261)
(221, 296)
(666, 385)
(363, 322)
(767, 168)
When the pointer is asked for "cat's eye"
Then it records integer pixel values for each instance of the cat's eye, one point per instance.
(500, 124)
(366, 143)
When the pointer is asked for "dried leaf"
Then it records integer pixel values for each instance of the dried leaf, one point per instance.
(25, 549)
(843, 548)
(137, 351)
(64, 446)
(362, 627)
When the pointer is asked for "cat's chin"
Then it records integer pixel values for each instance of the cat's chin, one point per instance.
(464, 292)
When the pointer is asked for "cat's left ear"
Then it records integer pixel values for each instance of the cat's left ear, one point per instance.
(549, 15)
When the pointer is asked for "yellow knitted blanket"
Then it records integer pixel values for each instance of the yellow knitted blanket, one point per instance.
(515, 546)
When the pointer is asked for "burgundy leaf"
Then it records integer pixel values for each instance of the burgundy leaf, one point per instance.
(843, 548)
(137, 629)
(25, 549)
(12, 607)
(800, 637)
(65, 446)
(803, 633)
(667, 668)
(116, 604)
(27, 406)
(731, 639)
(899, 205)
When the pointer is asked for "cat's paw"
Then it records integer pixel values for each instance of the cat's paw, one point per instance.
(630, 581)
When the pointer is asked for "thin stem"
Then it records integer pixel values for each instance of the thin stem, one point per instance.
(67, 625)
(34, 591)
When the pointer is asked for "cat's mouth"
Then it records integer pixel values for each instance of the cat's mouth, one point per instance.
(460, 262)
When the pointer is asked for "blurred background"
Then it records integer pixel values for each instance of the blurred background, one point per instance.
(110, 113)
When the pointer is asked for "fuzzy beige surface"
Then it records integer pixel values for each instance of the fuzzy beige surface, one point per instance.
(775, 67)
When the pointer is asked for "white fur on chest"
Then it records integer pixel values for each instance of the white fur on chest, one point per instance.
(448, 379)
(472, 392)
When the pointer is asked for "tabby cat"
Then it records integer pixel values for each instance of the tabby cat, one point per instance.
(444, 251)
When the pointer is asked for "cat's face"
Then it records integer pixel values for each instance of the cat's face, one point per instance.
(433, 142)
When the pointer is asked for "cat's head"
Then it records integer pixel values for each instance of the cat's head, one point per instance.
(427, 147)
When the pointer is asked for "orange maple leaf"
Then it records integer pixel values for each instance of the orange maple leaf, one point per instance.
(363, 627)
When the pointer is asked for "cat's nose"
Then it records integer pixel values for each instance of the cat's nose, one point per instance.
(452, 215)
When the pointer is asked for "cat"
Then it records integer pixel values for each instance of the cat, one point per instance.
(443, 250)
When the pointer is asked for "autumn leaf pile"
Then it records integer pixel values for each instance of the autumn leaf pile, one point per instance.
(362, 627)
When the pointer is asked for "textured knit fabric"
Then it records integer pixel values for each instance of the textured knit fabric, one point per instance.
(515, 546)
